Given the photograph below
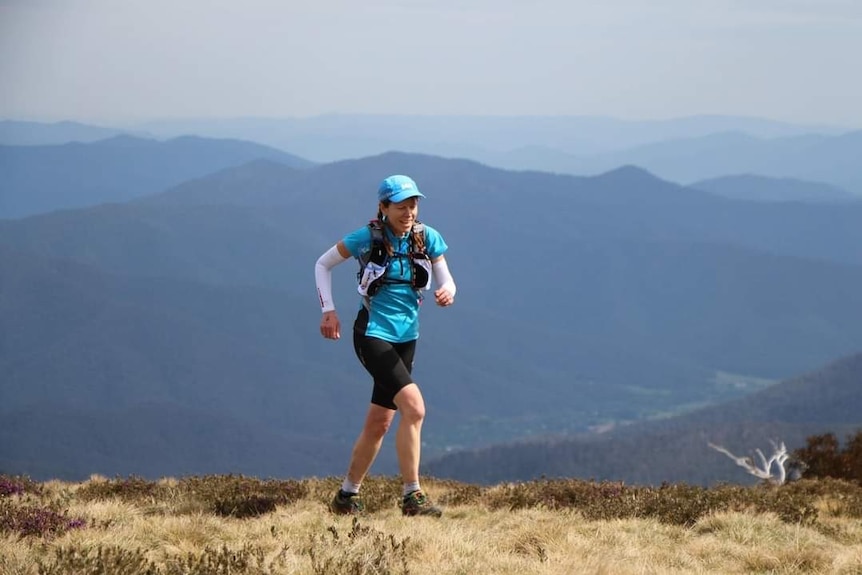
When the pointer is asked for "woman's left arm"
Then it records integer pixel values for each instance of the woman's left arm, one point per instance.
(444, 295)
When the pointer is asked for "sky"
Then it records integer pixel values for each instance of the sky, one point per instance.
(119, 62)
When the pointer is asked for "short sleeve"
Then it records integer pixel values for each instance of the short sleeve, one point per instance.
(357, 241)
(435, 245)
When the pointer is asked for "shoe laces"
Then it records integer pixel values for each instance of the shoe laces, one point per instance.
(417, 497)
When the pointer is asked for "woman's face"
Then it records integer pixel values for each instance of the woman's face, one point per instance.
(401, 215)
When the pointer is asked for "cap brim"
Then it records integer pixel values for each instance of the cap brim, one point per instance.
(401, 196)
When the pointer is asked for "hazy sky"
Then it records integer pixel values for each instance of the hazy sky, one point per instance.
(122, 61)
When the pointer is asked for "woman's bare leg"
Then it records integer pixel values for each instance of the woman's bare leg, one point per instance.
(408, 437)
(367, 445)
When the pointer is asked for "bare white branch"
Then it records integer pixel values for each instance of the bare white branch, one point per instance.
(764, 470)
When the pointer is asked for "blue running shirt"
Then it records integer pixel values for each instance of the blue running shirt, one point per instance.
(394, 312)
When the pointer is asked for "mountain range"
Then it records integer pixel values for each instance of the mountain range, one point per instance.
(682, 150)
(21, 133)
(176, 331)
(677, 449)
(821, 158)
(42, 178)
(332, 137)
(765, 189)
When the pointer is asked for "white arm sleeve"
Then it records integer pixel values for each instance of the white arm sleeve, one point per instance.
(442, 276)
(323, 277)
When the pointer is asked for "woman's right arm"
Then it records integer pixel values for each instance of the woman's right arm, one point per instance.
(330, 327)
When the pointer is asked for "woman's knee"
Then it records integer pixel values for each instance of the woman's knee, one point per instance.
(378, 423)
(411, 404)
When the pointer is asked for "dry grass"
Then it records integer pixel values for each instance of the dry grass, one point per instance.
(158, 528)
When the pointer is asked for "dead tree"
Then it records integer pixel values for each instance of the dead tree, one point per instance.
(763, 467)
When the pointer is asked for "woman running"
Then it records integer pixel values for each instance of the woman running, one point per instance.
(398, 256)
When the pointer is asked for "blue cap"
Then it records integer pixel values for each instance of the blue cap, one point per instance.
(397, 189)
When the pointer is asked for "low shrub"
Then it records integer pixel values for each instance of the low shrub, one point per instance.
(109, 560)
(28, 520)
(97, 561)
(675, 504)
(247, 560)
(825, 457)
(224, 495)
(363, 551)
(18, 485)
(132, 489)
(239, 496)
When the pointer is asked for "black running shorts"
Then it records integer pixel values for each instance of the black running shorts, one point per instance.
(390, 364)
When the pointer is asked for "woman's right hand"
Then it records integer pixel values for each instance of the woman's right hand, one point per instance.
(330, 326)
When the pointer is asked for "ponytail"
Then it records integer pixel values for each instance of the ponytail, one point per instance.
(386, 243)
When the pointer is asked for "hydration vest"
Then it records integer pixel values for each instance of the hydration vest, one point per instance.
(374, 263)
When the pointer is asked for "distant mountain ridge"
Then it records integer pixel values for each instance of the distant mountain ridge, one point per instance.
(682, 150)
(676, 450)
(333, 137)
(37, 179)
(100, 370)
(153, 439)
(19, 133)
(817, 158)
(763, 189)
(581, 301)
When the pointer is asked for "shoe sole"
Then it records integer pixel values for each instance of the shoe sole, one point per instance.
(426, 514)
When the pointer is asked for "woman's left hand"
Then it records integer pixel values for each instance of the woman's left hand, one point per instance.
(443, 297)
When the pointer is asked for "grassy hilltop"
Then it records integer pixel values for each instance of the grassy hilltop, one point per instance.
(240, 525)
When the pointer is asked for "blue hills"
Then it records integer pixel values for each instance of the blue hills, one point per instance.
(190, 309)
(40, 178)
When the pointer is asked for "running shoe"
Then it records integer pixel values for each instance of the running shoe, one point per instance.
(417, 503)
(346, 503)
